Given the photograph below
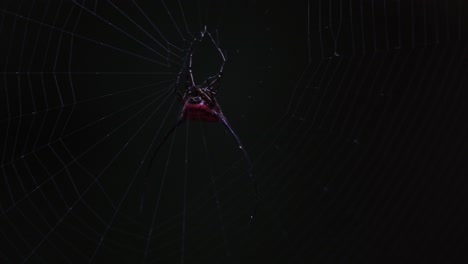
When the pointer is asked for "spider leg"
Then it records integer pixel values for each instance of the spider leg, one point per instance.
(215, 80)
(189, 80)
(226, 124)
(202, 33)
(189, 75)
(190, 66)
(158, 147)
(213, 83)
(220, 52)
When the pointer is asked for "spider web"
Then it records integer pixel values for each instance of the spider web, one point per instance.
(352, 111)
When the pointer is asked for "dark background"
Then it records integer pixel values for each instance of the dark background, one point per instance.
(353, 112)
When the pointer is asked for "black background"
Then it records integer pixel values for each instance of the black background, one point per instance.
(353, 112)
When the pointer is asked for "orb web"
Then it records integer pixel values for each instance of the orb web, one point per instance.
(352, 112)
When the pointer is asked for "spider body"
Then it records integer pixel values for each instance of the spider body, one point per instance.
(199, 104)
(200, 112)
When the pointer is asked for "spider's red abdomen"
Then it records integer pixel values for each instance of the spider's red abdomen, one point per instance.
(200, 112)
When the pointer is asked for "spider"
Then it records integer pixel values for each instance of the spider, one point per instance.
(200, 104)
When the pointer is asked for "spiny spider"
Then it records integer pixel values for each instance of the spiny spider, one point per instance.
(199, 104)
